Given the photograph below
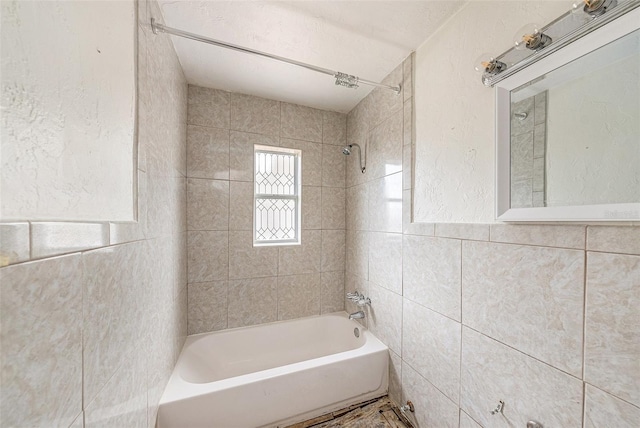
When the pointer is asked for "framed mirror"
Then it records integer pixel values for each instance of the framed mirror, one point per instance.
(568, 131)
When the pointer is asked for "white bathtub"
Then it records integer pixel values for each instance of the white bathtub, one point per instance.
(273, 374)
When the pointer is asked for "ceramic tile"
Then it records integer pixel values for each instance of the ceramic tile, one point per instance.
(207, 204)
(612, 326)
(385, 204)
(334, 128)
(522, 193)
(112, 280)
(545, 235)
(248, 261)
(538, 199)
(208, 256)
(298, 296)
(208, 107)
(540, 108)
(254, 114)
(530, 389)
(467, 422)
(207, 306)
(385, 260)
(303, 258)
(241, 153)
(358, 253)
(614, 239)
(354, 174)
(406, 212)
(539, 140)
(333, 250)
(123, 400)
(207, 152)
(333, 208)
(14, 243)
(311, 160)
(521, 126)
(311, 207)
(357, 207)
(522, 157)
(605, 410)
(252, 301)
(53, 238)
(302, 123)
(79, 422)
(431, 273)
(407, 77)
(241, 205)
(333, 166)
(395, 377)
(407, 126)
(384, 316)
(433, 408)
(41, 334)
(359, 121)
(384, 154)
(502, 282)
(474, 232)
(407, 168)
(538, 175)
(332, 292)
(431, 345)
(385, 102)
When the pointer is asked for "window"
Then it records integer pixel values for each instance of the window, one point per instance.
(276, 196)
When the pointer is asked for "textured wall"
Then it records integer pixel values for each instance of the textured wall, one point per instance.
(90, 338)
(232, 283)
(455, 145)
(68, 111)
(542, 317)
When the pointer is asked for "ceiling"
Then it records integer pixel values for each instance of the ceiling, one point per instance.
(363, 38)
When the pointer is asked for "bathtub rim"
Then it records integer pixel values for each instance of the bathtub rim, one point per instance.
(178, 389)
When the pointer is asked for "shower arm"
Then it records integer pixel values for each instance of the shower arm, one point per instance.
(342, 79)
(361, 153)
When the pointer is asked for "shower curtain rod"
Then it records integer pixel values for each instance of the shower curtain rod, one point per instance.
(342, 79)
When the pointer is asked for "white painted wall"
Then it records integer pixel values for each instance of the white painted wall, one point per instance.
(68, 110)
(455, 147)
(593, 137)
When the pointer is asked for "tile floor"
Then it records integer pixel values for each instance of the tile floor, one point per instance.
(379, 413)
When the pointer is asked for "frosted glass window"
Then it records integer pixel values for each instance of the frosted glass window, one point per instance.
(276, 196)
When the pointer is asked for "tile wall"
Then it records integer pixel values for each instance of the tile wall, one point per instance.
(543, 317)
(232, 283)
(528, 146)
(90, 336)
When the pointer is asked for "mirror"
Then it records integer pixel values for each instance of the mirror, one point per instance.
(572, 149)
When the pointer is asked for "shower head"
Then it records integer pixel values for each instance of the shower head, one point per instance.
(346, 150)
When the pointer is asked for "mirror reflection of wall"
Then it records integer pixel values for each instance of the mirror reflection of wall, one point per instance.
(575, 133)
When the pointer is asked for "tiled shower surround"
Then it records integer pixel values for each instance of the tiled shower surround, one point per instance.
(543, 317)
(90, 338)
(232, 283)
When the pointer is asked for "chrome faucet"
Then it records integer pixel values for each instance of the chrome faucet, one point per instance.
(356, 315)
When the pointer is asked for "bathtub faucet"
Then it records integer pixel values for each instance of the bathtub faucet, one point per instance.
(356, 315)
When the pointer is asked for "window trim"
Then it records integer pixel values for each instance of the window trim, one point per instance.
(296, 197)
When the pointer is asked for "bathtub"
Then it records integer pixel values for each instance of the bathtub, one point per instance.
(274, 374)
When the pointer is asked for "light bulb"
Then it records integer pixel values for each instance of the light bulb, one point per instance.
(483, 62)
(531, 37)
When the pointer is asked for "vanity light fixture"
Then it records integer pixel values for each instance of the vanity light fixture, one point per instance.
(533, 42)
